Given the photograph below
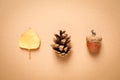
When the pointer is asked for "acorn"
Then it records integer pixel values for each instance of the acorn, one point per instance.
(93, 42)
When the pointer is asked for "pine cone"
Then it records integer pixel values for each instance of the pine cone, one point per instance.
(62, 43)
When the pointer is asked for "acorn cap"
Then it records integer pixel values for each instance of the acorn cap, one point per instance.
(93, 37)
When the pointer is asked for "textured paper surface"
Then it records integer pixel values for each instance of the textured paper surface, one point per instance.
(46, 17)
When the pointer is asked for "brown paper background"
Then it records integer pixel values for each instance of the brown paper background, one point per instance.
(46, 17)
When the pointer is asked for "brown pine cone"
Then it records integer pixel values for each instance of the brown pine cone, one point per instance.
(61, 43)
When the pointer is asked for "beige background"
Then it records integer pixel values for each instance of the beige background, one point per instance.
(46, 17)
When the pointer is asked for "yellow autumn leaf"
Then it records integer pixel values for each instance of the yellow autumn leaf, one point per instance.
(29, 40)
